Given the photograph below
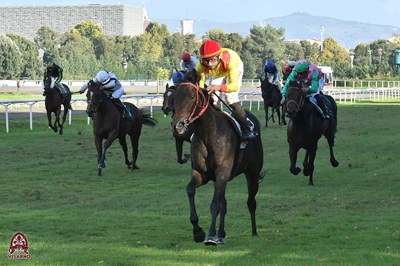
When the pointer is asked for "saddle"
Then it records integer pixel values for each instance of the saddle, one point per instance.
(237, 127)
(314, 103)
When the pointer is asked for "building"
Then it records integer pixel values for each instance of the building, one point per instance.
(25, 21)
(187, 26)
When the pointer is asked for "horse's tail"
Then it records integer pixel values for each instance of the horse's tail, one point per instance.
(147, 119)
(261, 176)
(334, 111)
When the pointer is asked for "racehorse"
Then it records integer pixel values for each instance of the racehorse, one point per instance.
(53, 102)
(167, 108)
(305, 128)
(108, 124)
(217, 154)
(272, 98)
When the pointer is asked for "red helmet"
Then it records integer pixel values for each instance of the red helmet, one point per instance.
(186, 57)
(209, 49)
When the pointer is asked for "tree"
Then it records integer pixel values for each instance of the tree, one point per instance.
(88, 29)
(10, 58)
(30, 64)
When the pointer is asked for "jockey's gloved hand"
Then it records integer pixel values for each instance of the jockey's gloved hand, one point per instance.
(91, 82)
(111, 97)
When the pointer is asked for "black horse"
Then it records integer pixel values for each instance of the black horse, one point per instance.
(272, 98)
(305, 128)
(167, 108)
(108, 124)
(53, 101)
(217, 154)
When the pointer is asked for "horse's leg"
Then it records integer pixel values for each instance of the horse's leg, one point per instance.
(252, 189)
(57, 119)
(330, 137)
(217, 207)
(273, 114)
(102, 156)
(135, 149)
(49, 119)
(198, 233)
(293, 158)
(266, 113)
(308, 164)
(284, 114)
(278, 113)
(63, 119)
(179, 150)
(124, 146)
(99, 147)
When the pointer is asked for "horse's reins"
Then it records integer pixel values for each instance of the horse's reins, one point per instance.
(273, 111)
(204, 106)
(300, 105)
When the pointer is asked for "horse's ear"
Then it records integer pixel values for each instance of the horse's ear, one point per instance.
(167, 86)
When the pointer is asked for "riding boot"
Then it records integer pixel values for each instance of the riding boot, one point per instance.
(242, 118)
(121, 107)
(323, 107)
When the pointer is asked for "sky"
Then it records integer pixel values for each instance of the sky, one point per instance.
(381, 12)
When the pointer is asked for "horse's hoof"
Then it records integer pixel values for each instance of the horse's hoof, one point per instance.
(211, 241)
(296, 171)
(60, 132)
(334, 163)
(199, 236)
(221, 240)
(99, 172)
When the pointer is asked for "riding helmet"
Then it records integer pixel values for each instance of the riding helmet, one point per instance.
(209, 49)
(301, 66)
(102, 77)
(186, 57)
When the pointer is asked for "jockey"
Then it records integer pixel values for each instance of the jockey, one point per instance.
(177, 78)
(108, 81)
(188, 62)
(56, 73)
(312, 80)
(226, 69)
(271, 73)
(287, 70)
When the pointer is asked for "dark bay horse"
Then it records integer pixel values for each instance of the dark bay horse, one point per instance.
(272, 98)
(167, 108)
(53, 102)
(108, 124)
(305, 128)
(216, 155)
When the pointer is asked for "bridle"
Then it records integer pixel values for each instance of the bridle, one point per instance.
(48, 87)
(90, 103)
(169, 92)
(201, 107)
(299, 105)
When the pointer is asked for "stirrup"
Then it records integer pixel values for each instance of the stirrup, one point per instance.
(248, 136)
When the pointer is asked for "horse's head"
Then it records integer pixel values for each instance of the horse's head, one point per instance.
(268, 88)
(94, 98)
(168, 102)
(190, 102)
(48, 82)
(294, 99)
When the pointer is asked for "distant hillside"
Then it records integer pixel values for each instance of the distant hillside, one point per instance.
(299, 26)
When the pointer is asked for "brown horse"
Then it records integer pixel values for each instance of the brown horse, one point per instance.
(217, 154)
(108, 124)
(305, 128)
(272, 98)
(53, 101)
(167, 108)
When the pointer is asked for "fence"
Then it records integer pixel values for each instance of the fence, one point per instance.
(252, 97)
